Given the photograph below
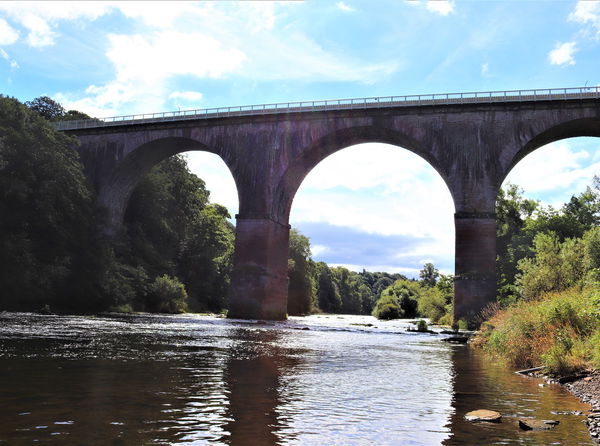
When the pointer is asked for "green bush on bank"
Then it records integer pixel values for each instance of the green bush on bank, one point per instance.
(559, 330)
(167, 295)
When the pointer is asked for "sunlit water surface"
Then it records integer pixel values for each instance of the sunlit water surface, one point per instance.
(318, 380)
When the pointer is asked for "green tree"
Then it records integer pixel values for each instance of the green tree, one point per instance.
(300, 272)
(432, 304)
(556, 266)
(206, 259)
(429, 275)
(167, 295)
(404, 295)
(47, 108)
(48, 253)
(51, 110)
(328, 293)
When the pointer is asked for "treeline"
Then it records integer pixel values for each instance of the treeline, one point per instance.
(542, 249)
(174, 252)
(315, 286)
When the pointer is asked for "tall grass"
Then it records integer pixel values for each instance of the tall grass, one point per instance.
(559, 330)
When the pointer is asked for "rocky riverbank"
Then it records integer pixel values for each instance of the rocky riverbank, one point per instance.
(588, 390)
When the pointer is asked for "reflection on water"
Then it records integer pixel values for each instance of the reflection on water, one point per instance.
(485, 384)
(135, 380)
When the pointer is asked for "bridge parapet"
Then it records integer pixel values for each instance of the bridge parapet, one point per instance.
(434, 99)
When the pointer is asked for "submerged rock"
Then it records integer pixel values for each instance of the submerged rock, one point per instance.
(490, 416)
(457, 339)
(531, 424)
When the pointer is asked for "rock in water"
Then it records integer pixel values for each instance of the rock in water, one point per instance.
(530, 424)
(491, 416)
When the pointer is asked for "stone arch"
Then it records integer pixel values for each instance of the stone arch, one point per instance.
(568, 129)
(333, 142)
(116, 189)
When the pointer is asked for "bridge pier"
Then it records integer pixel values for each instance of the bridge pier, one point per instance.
(475, 264)
(259, 282)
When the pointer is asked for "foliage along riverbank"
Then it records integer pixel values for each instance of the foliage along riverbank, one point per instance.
(549, 288)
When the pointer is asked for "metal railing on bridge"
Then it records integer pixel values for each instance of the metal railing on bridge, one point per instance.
(340, 104)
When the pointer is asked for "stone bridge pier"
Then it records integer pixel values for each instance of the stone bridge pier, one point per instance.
(472, 145)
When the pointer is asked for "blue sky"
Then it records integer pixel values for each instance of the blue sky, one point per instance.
(371, 206)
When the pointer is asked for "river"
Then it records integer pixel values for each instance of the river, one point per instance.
(317, 380)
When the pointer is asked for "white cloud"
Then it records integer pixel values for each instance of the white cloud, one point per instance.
(344, 7)
(40, 33)
(562, 54)
(556, 171)
(146, 63)
(156, 14)
(186, 95)
(317, 250)
(587, 12)
(8, 35)
(442, 7)
(297, 57)
(39, 18)
(167, 53)
(12, 63)
(485, 70)
(376, 188)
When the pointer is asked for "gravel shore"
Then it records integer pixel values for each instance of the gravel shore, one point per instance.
(588, 390)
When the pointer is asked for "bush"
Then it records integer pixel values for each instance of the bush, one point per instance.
(432, 305)
(559, 331)
(387, 308)
(167, 295)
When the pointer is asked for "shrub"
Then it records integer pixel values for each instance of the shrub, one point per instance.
(167, 295)
(558, 330)
(432, 305)
(387, 308)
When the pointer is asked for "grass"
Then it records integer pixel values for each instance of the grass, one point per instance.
(560, 331)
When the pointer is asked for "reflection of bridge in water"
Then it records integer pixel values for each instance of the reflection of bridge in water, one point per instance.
(472, 140)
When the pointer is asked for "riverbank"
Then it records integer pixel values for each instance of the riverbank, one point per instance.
(558, 334)
(587, 389)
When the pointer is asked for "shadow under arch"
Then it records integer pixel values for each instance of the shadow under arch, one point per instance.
(585, 127)
(299, 168)
(114, 193)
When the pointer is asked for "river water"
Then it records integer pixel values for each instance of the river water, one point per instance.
(317, 380)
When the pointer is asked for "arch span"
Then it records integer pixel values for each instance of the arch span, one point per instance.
(116, 189)
(379, 207)
(568, 129)
(311, 156)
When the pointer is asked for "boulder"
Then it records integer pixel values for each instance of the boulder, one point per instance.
(491, 416)
(531, 424)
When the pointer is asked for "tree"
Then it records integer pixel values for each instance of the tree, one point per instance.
(556, 266)
(300, 288)
(429, 275)
(206, 259)
(328, 293)
(47, 108)
(48, 253)
(432, 304)
(404, 295)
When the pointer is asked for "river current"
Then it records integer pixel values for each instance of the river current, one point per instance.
(316, 380)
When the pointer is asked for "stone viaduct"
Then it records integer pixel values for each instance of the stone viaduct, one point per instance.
(472, 140)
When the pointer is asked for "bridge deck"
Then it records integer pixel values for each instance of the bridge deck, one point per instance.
(551, 94)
